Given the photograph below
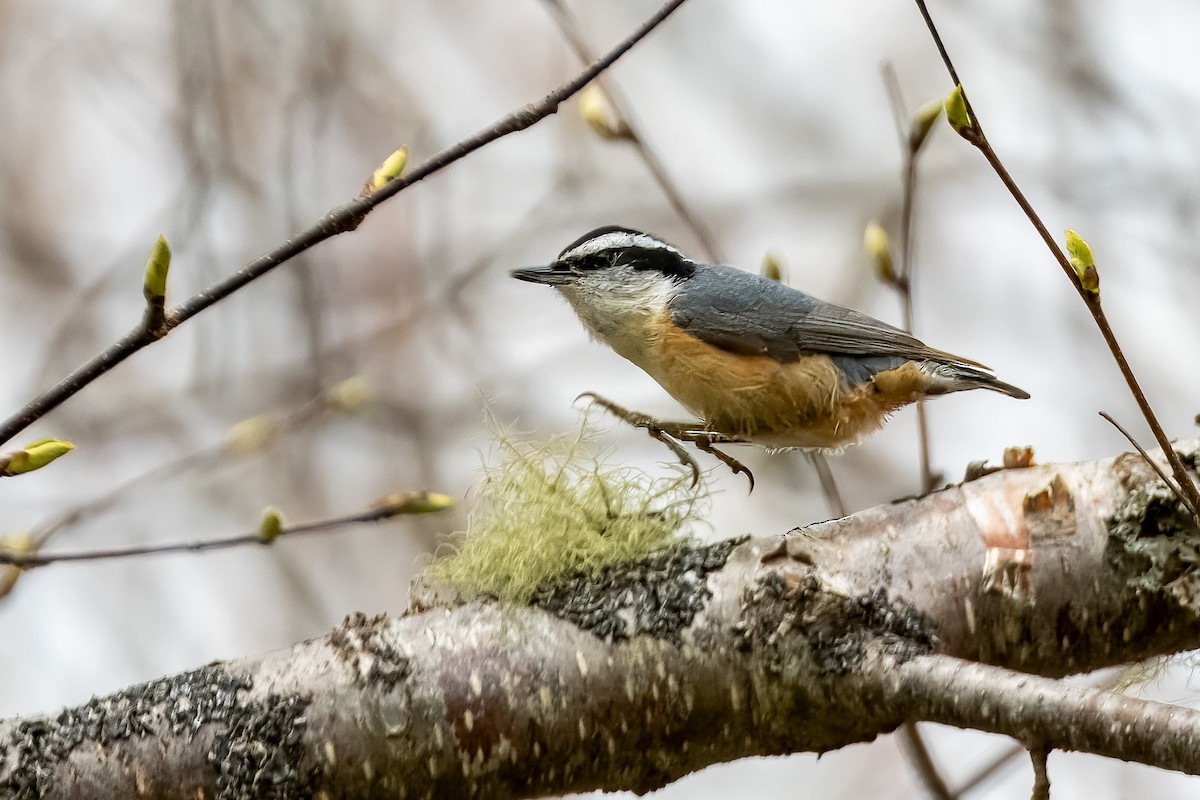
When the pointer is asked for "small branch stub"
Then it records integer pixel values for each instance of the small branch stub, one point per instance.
(1084, 263)
(33, 456)
(1041, 776)
(772, 267)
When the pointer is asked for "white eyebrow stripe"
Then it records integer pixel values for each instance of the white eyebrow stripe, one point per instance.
(617, 240)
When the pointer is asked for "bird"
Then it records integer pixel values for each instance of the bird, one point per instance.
(755, 360)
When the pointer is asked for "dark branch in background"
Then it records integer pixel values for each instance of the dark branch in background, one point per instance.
(916, 750)
(829, 486)
(909, 737)
(391, 506)
(988, 770)
(1142, 452)
(342, 219)
(273, 425)
(975, 135)
(910, 149)
(569, 28)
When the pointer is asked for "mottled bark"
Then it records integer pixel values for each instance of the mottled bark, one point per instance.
(809, 641)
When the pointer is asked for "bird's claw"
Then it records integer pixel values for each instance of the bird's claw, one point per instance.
(735, 466)
(672, 434)
(683, 456)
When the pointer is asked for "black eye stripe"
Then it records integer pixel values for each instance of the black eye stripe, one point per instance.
(592, 262)
(662, 260)
(657, 259)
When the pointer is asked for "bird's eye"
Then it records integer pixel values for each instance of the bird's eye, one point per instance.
(590, 263)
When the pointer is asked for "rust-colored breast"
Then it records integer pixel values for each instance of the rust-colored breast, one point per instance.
(805, 403)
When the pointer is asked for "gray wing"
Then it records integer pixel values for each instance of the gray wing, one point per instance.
(750, 314)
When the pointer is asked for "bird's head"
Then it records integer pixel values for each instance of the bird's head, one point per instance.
(612, 275)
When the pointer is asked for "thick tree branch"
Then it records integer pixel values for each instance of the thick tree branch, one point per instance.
(809, 641)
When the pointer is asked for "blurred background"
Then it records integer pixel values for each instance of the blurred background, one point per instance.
(230, 126)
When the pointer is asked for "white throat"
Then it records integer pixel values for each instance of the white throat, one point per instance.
(623, 308)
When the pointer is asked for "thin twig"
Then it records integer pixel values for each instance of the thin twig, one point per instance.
(829, 486)
(1141, 450)
(910, 150)
(1010, 755)
(402, 504)
(569, 28)
(341, 219)
(975, 135)
(209, 454)
(912, 744)
(988, 770)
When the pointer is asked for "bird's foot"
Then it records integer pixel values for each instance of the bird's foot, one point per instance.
(673, 434)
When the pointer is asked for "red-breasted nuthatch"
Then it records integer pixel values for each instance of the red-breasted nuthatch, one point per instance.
(756, 360)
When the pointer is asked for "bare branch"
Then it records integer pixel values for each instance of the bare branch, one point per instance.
(569, 28)
(910, 150)
(1029, 707)
(1142, 452)
(976, 136)
(342, 219)
(393, 505)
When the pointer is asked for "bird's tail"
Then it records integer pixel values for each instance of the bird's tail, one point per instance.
(961, 377)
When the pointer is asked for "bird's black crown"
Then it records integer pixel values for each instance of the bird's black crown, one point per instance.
(614, 246)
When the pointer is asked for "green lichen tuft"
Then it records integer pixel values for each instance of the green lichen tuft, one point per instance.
(552, 510)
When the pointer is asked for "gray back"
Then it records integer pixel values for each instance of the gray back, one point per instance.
(746, 313)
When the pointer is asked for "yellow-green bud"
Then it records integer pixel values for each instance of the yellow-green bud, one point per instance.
(16, 545)
(33, 456)
(392, 168)
(271, 525)
(251, 435)
(154, 284)
(956, 112)
(875, 242)
(415, 503)
(772, 268)
(599, 114)
(8, 579)
(922, 123)
(1083, 262)
(350, 395)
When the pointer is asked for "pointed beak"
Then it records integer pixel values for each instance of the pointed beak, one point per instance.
(553, 275)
